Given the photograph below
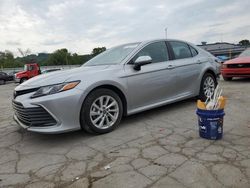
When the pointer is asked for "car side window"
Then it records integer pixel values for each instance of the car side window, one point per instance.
(157, 51)
(193, 51)
(32, 68)
(180, 49)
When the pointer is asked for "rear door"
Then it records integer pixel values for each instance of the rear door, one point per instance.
(187, 67)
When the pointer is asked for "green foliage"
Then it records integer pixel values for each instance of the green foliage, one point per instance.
(244, 42)
(75, 59)
(63, 57)
(7, 60)
(98, 50)
(85, 58)
(42, 58)
(59, 57)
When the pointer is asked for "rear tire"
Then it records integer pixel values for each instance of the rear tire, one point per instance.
(227, 78)
(101, 111)
(2, 82)
(207, 87)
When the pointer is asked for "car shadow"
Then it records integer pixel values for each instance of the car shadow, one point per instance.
(158, 111)
(242, 80)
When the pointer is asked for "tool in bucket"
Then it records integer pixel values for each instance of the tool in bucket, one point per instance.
(210, 115)
(215, 102)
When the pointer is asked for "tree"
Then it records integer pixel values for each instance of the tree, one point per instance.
(59, 57)
(7, 59)
(244, 42)
(2, 56)
(75, 59)
(24, 53)
(98, 50)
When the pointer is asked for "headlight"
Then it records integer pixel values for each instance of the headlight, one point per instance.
(52, 89)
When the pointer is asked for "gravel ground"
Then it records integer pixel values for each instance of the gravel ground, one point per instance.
(157, 148)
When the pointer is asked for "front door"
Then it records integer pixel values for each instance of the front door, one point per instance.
(154, 82)
(33, 70)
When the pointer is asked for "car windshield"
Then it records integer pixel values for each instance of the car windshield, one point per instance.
(112, 56)
(245, 53)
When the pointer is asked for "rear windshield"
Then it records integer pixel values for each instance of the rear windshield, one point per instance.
(245, 53)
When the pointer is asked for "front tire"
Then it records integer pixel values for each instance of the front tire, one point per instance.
(23, 80)
(101, 111)
(2, 82)
(207, 87)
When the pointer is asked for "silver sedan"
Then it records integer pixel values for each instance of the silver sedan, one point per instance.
(121, 81)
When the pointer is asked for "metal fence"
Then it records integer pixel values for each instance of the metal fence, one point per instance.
(7, 70)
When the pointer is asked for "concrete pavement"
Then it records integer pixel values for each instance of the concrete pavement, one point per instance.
(157, 148)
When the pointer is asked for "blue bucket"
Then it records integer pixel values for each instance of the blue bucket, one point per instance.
(210, 123)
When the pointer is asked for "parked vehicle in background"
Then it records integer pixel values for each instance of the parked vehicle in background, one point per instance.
(222, 58)
(123, 80)
(238, 67)
(4, 77)
(30, 70)
(50, 70)
(12, 73)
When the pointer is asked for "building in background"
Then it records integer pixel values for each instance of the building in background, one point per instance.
(223, 50)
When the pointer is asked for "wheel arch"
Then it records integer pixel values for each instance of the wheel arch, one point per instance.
(207, 70)
(199, 80)
(115, 89)
(211, 72)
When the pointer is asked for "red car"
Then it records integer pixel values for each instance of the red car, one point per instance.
(238, 67)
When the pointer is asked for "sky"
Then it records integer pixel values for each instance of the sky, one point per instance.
(81, 25)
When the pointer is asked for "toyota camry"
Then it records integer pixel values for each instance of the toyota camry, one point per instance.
(121, 81)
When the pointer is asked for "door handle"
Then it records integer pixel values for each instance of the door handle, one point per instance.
(170, 67)
(198, 61)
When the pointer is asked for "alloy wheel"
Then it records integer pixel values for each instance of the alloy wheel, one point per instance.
(209, 86)
(104, 112)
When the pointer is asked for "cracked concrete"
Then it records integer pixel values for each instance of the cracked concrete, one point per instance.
(157, 148)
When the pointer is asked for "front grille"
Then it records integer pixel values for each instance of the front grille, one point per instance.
(34, 117)
(22, 92)
(243, 65)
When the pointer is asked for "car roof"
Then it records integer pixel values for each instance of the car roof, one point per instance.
(162, 39)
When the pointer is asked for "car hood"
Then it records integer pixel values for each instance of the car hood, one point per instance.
(238, 60)
(59, 76)
(21, 72)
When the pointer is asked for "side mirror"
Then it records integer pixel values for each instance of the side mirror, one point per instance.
(142, 60)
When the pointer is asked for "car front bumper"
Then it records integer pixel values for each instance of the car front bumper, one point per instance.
(235, 72)
(17, 80)
(64, 107)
